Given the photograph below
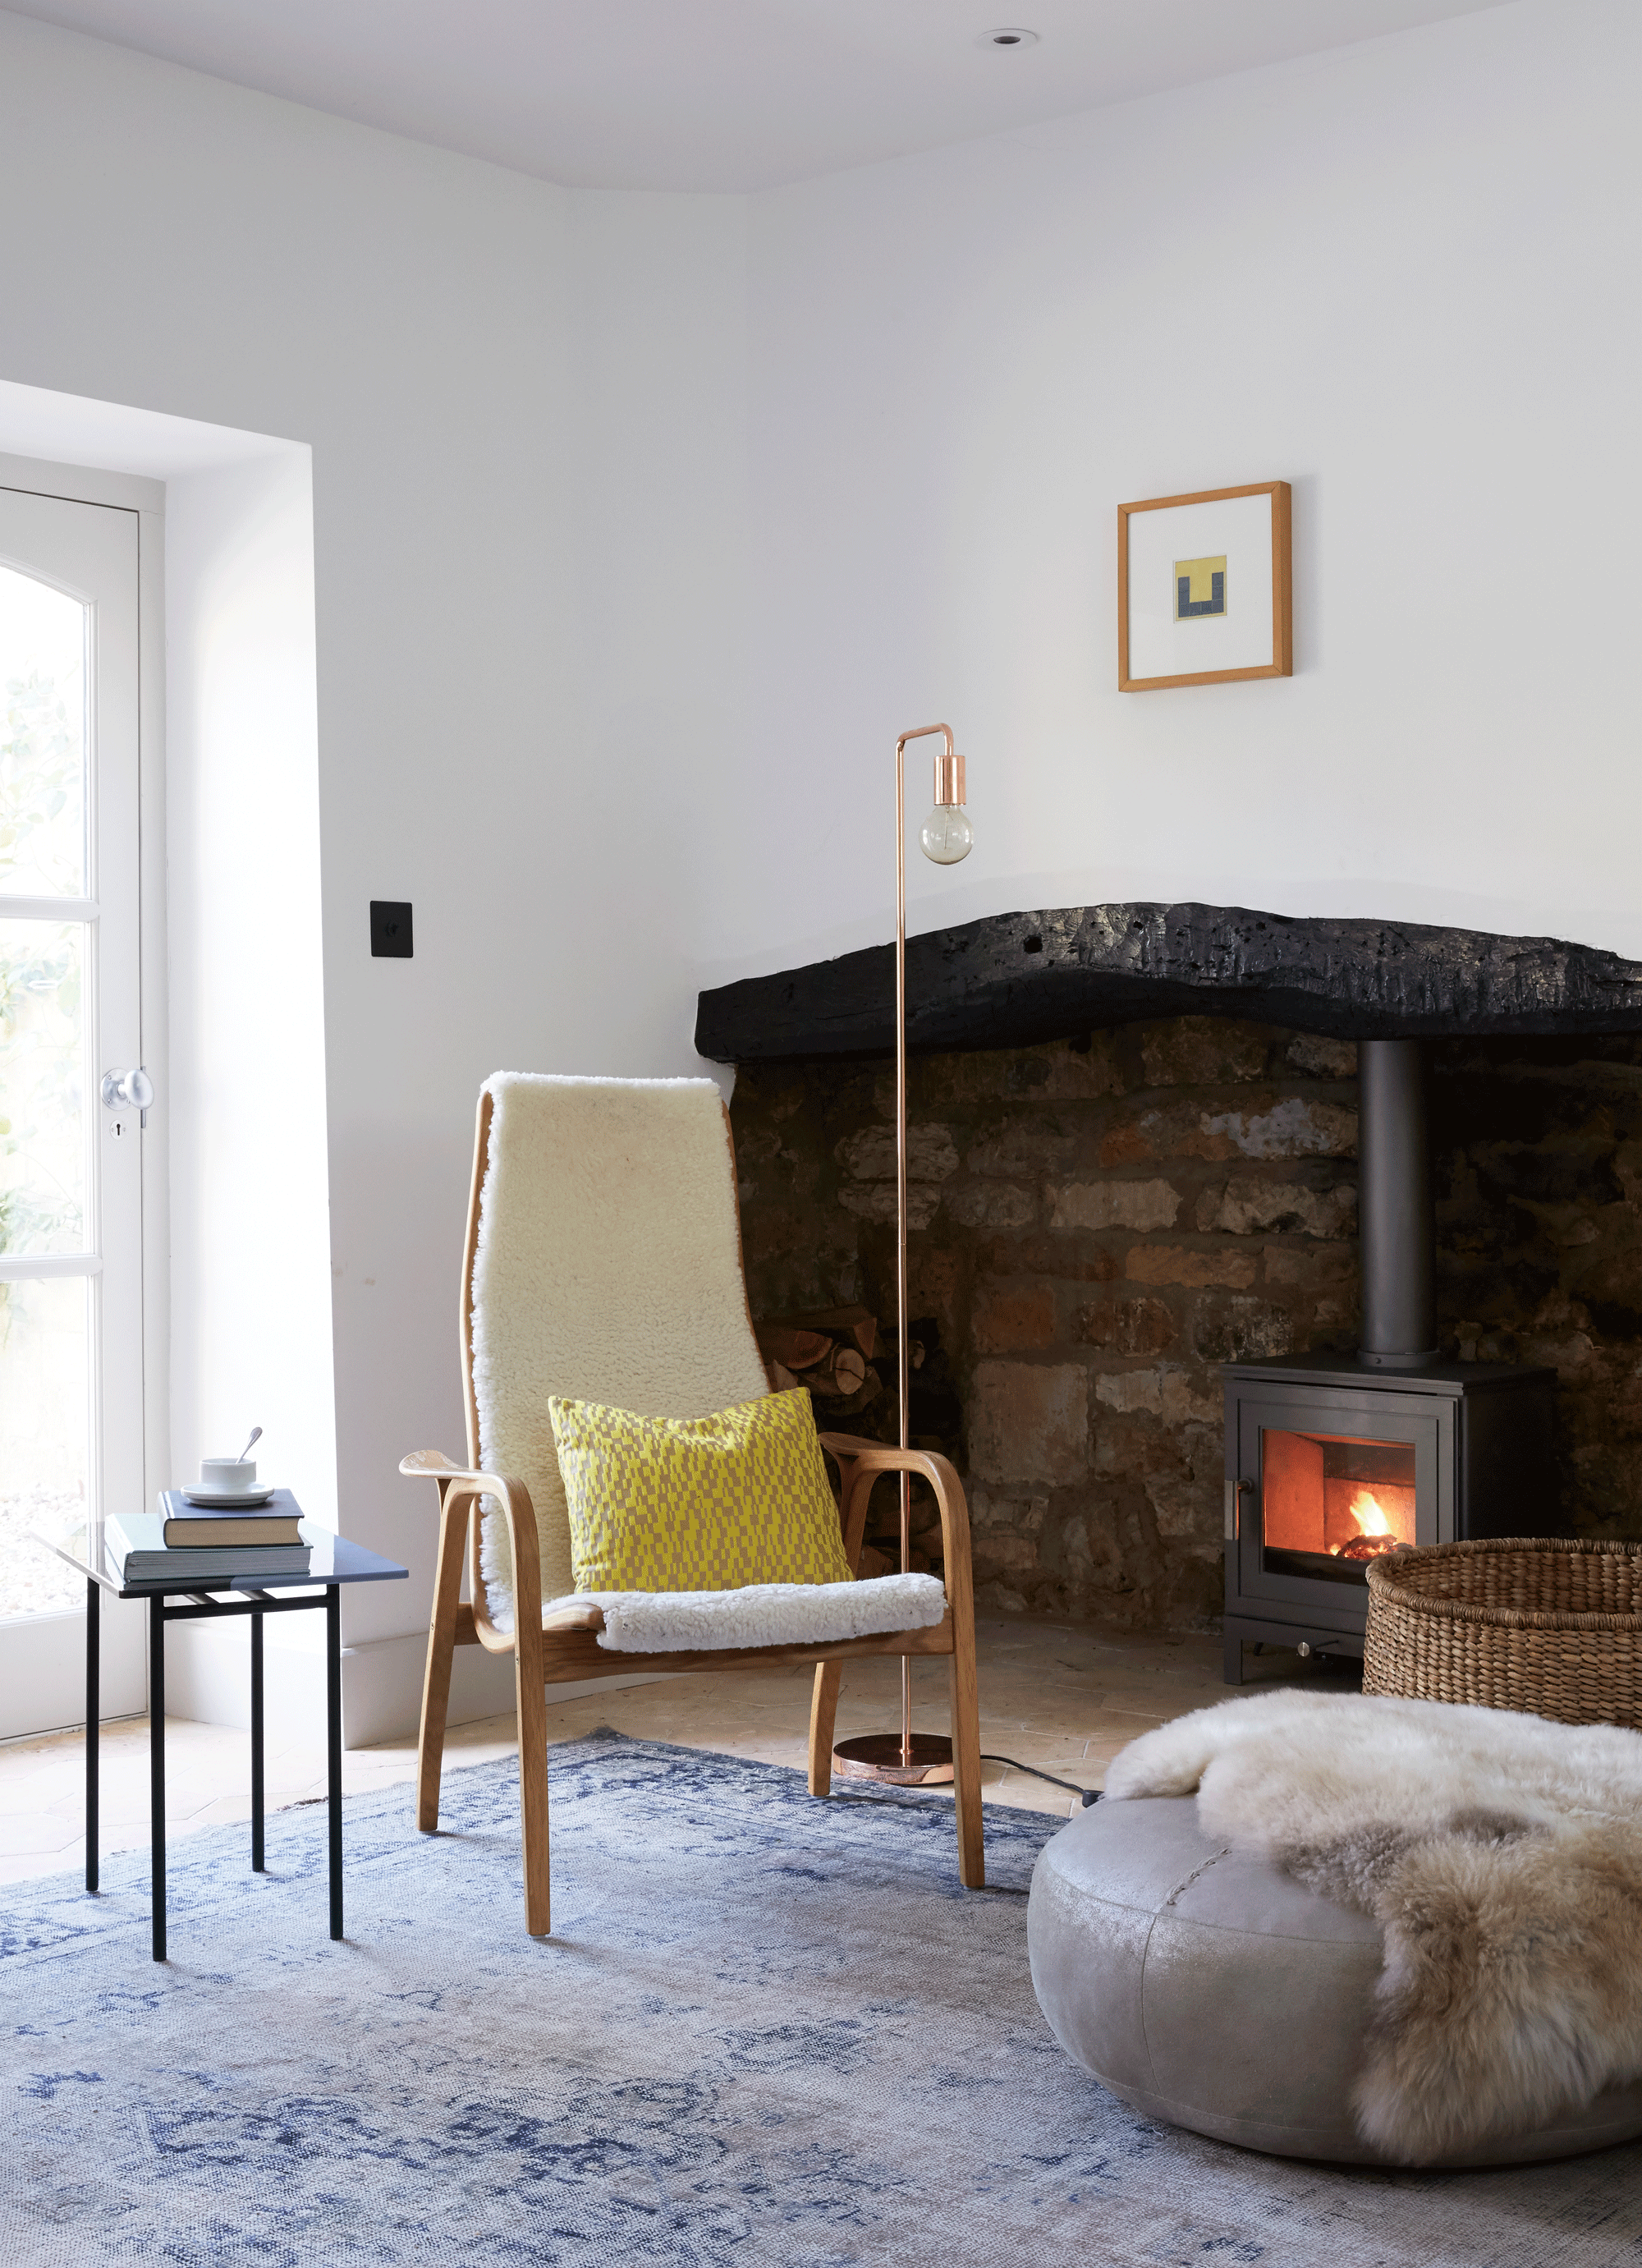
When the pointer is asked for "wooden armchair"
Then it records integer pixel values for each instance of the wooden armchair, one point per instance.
(603, 1262)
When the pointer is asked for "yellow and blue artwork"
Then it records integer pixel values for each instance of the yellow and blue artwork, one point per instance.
(1199, 588)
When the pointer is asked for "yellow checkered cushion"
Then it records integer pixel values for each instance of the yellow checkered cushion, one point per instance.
(698, 1504)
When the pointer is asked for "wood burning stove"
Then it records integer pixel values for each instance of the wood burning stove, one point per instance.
(1332, 1459)
(1328, 1462)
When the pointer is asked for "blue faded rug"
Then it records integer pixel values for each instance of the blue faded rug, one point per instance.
(765, 2030)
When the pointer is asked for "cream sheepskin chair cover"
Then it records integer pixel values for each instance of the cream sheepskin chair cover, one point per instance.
(608, 1268)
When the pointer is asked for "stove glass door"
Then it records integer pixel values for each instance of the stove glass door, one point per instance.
(1328, 1483)
(1330, 1502)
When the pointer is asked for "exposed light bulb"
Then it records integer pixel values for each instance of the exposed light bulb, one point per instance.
(946, 835)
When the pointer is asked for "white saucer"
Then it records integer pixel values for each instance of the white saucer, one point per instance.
(225, 1499)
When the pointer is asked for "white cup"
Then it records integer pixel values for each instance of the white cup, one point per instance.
(228, 1476)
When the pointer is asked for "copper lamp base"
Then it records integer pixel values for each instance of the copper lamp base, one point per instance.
(878, 1755)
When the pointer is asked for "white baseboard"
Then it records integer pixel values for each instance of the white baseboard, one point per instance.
(207, 1678)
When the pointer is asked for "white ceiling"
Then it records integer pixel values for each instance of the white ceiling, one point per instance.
(719, 94)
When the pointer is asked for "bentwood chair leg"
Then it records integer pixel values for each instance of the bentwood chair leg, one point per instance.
(823, 1718)
(965, 1770)
(530, 1683)
(436, 1683)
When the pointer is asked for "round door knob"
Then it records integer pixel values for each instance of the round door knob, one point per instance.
(128, 1090)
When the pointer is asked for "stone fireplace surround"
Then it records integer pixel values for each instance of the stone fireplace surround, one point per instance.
(1100, 1217)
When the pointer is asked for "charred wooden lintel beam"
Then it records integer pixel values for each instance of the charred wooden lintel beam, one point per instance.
(1012, 979)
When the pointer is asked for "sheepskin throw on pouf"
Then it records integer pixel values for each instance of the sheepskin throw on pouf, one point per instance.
(1501, 1856)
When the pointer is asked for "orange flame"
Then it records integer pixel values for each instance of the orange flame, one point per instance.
(1365, 1512)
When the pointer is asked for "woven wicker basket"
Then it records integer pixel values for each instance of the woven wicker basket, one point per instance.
(1536, 1624)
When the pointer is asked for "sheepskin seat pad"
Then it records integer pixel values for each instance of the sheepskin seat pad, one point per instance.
(763, 1614)
(608, 1268)
(1382, 1932)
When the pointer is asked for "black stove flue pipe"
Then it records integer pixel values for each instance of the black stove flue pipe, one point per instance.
(1399, 1240)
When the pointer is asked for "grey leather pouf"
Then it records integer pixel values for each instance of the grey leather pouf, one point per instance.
(1215, 1992)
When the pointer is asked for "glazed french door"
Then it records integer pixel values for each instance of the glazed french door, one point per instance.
(70, 1015)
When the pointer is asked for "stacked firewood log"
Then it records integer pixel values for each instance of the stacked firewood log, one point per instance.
(830, 1352)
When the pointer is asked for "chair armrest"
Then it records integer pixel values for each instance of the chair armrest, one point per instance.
(434, 1465)
(430, 1464)
(862, 1462)
(457, 1482)
(885, 1457)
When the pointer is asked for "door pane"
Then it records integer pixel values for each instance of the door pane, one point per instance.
(42, 1083)
(42, 738)
(45, 1434)
(71, 1385)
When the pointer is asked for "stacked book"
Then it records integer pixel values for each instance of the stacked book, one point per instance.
(188, 1545)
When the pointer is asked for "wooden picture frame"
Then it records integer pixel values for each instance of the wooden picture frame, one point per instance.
(1162, 613)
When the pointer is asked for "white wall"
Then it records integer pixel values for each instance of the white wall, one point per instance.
(250, 1224)
(517, 403)
(1402, 275)
(245, 1119)
(642, 524)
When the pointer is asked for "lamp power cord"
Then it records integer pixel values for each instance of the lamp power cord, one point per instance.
(1088, 1795)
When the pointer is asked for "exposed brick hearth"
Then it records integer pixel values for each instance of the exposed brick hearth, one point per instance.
(1096, 1223)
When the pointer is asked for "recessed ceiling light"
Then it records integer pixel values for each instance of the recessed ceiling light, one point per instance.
(1008, 35)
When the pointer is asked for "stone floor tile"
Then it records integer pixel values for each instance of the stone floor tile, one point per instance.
(134, 1812)
(28, 1865)
(40, 1833)
(1071, 1746)
(64, 1772)
(223, 1810)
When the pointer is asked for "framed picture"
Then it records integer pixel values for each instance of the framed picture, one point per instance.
(1203, 588)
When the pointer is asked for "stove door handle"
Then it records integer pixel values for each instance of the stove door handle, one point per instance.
(1234, 1509)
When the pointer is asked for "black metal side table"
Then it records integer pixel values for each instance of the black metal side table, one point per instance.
(333, 1561)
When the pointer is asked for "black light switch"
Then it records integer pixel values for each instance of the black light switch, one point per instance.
(390, 929)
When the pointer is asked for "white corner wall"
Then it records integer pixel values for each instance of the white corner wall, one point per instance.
(1401, 276)
(522, 411)
(642, 524)
(250, 1223)
(246, 1120)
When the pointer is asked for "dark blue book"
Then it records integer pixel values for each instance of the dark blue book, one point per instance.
(278, 1520)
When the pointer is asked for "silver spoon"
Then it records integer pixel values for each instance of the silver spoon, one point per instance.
(256, 1435)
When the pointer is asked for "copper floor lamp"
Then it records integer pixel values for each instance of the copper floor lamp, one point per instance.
(944, 838)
